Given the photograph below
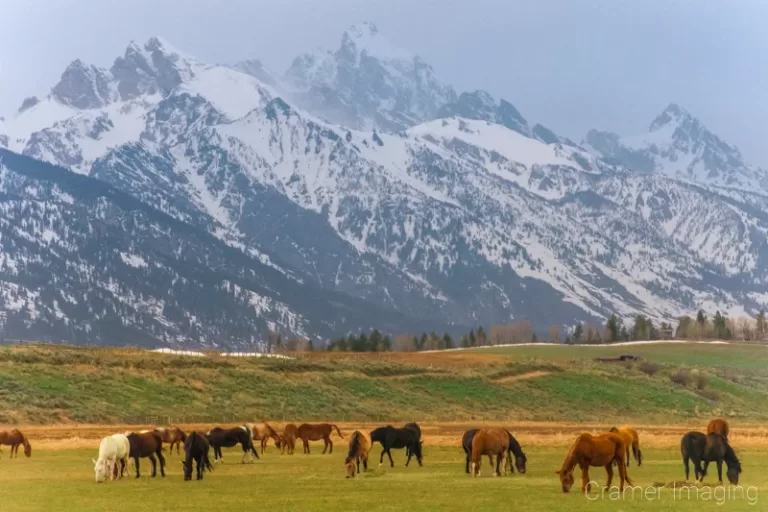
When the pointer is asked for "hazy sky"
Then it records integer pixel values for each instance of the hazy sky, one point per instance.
(569, 64)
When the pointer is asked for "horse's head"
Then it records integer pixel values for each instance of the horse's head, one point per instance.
(520, 463)
(101, 470)
(613, 429)
(566, 479)
(350, 469)
(279, 440)
(187, 469)
(27, 448)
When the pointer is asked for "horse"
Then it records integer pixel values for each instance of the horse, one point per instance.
(227, 438)
(359, 446)
(147, 444)
(196, 447)
(390, 437)
(288, 436)
(414, 426)
(631, 440)
(108, 456)
(514, 449)
(172, 436)
(599, 450)
(14, 438)
(489, 441)
(123, 451)
(719, 426)
(262, 432)
(713, 447)
(314, 432)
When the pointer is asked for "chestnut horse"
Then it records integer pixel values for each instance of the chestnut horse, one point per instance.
(314, 432)
(262, 432)
(172, 436)
(147, 444)
(599, 450)
(718, 426)
(359, 446)
(490, 442)
(631, 440)
(289, 438)
(15, 438)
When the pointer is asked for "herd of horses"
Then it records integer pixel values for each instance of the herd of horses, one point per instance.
(612, 448)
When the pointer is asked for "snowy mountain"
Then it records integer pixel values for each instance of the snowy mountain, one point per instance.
(464, 215)
(680, 146)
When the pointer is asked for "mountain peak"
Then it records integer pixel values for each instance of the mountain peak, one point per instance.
(365, 38)
(673, 114)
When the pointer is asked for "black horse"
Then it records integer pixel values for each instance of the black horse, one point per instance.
(514, 449)
(227, 438)
(698, 447)
(390, 437)
(414, 426)
(196, 449)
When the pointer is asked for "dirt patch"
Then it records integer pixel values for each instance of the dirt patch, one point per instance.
(522, 376)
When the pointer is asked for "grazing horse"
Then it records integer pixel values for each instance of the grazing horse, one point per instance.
(712, 447)
(514, 449)
(289, 438)
(262, 432)
(196, 449)
(14, 438)
(147, 444)
(390, 437)
(314, 432)
(227, 438)
(123, 451)
(489, 441)
(599, 450)
(631, 440)
(359, 446)
(172, 436)
(718, 426)
(108, 456)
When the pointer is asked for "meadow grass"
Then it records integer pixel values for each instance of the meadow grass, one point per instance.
(63, 480)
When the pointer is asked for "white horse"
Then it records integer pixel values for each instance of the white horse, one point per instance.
(123, 452)
(104, 466)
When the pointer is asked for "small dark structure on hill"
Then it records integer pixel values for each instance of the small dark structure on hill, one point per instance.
(620, 359)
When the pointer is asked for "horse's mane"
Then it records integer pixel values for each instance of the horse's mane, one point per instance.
(570, 459)
(375, 433)
(24, 439)
(730, 458)
(515, 447)
(354, 443)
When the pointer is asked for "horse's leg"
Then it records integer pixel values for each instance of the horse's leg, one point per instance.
(585, 485)
(627, 455)
(330, 444)
(162, 461)
(154, 465)
(391, 462)
(704, 470)
(498, 461)
(136, 463)
(687, 468)
(381, 459)
(325, 443)
(408, 460)
(719, 472)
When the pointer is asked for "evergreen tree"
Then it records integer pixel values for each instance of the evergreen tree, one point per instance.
(472, 338)
(310, 348)
(422, 341)
(386, 344)
(624, 334)
(375, 341)
(534, 339)
(577, 334)
(613, 326)
(761, 326)
(481, 337)
(447, 341)
(465, 341)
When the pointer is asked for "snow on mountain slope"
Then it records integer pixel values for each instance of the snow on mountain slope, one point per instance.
(462, 220)
(680, 146)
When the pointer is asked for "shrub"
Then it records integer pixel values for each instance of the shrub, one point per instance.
(700, 380)
(681, 377)
(648, 367)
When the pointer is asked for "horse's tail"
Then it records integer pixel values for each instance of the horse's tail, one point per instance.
(637, 453)
(338, 431)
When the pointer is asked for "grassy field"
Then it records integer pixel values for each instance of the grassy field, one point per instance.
(43, 385)
(63, 479)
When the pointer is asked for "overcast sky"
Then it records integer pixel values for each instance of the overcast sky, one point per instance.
(569, 64)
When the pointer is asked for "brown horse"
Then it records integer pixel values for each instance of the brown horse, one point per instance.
(631, 440)
(172, 436)
(718, 426)
(262, 432)
(314, 432)
(289, 438)
(147, 444)
(359, 446)
(589, 450)
(489, 441)
(15, 438)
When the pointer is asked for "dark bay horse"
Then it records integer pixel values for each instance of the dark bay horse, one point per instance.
(718, 426)
(390, 437)
(489, 441)
(288, 442)
(172, 436)
(314, 432)
(599, 450)
(227, 438)
(631, 440)
(147, 444)
(414, 426)
(196, 449)
(14, 438)
(697, 447)
(359, 446)
(514, 448)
